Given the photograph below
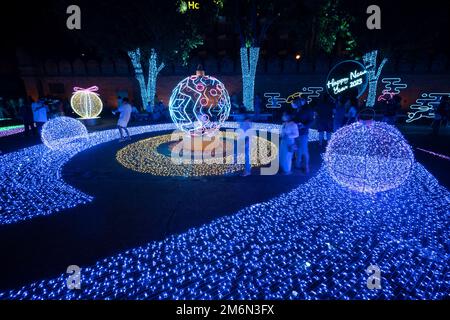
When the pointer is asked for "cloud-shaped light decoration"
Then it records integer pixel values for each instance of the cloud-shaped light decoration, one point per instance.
(369, 157)
(86, 102)
(199, 105)
(63, 132)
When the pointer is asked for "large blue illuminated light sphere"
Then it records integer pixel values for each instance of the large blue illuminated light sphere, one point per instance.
(199, 105)
(63, 132)
(369, 157)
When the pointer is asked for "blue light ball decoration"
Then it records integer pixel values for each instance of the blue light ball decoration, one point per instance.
(199, 105)
(369, 157)
(63, 133)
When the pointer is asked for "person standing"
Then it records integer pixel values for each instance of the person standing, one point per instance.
(125, 110)
(441, 115)
(324, 111)
(40, 113)
(289, 132)
(352, 110)
(27, 116)
(257, 106)
(339, 113)
(304, 119)
(245, 124)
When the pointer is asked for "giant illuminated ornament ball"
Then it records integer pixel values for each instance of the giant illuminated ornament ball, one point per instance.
(86, 102)
(199, 105)
(63, 133)
(369, 157)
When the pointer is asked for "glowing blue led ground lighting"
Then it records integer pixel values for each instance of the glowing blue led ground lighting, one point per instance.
(369, 157)
(199, 105)
(312, 243)
(63, 132)
(30, 179)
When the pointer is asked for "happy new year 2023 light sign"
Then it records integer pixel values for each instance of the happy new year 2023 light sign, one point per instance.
(347, 78)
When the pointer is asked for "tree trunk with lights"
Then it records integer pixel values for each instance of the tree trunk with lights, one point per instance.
(249, 61)
(148, 88)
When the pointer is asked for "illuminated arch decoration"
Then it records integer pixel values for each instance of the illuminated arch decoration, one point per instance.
(63, 132)
(144, 157)
(392, 87)
(345, 77)
(199, 105)
(425, 106)
(369, 157)
(86, 102)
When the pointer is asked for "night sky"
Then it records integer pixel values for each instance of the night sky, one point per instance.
(408, 25)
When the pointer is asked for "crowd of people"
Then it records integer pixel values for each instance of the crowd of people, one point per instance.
(327, 115)
(33, 114)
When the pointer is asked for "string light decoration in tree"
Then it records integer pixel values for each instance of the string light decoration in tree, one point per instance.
(86, 102)
(370, 62)
(63, 132)
(249, 62)
(312, 243)
(369, 157)
(425, 106)
(199, 105)
(148, 88)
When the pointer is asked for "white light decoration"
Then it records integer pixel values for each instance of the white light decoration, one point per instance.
(199, 105)
(369, 157)
(312, 243)
(392, 87)
(425, 106)
(86, 102)
(311, 92)
(249, 62)
(148, 88)
(370, 62)
(63, 132)
(273, 100)
(348, 75)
